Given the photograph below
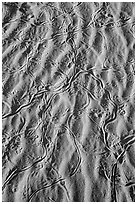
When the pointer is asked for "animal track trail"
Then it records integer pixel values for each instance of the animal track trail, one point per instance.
(68, 102)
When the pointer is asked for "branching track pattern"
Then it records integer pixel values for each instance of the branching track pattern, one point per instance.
(68, 101)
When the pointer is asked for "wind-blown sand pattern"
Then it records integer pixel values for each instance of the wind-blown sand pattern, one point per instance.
(68, 102)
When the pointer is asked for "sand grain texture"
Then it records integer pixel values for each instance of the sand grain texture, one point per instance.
(68, 102)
